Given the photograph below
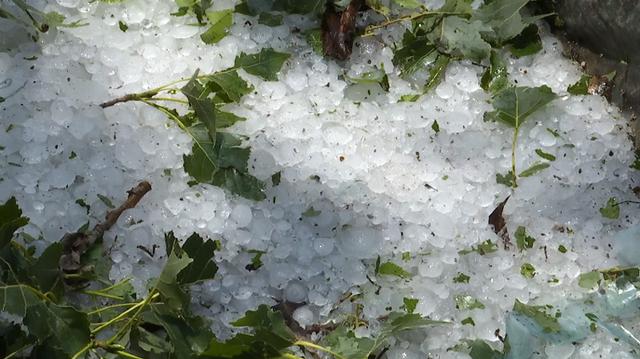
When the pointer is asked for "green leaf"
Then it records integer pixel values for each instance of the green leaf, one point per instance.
(538, 313)
(611, 210)
(149, 342)
(409, 4)
(123, 26)
(10, 220)
(270, 19)
(545, 155)
(17, 299)
(223, 163)
(527, 43)
(483, 248)
(435, 126)
(378, 6)
(377, 76)
(495, 77)
(228, 86)
(504, 18)
(189, 335)
(415, 53)
(461, 278)
(266, 64)
(107, 202)
(468, 321)
(220, 22)
(410, 304)
(460, 37)
(314, 38)
(167, 284)
(269, 325)
(581, 87)
(515, 104)
(523, 240)
(527, 270)
(311, 212)
(477, 349)
(300, 7)
(467, 302)
(66, 327)
(507, 179)
(46, 270)
(589, 280)
(389, 268)
(226, 119)
(201, 104)
(203, 266)
(436, 71)
(409, 98)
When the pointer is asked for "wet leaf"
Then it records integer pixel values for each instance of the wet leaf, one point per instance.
(203, 266)
(496, 220)
(515, 104)
(436, 72)
(483, 248)
(10, 220)
(460, 37)
(228, 86)
(220, 22)
(167, 284)
(390, 268)
(507, 179)
(523, 240)
(410, 304)
(266, 64)
(545, 155)
(527, 43)
(611, 210)
(504, 18)
(65, 327)
(415, 53)
(201, 104)
(548, 323)
(467, 302)
(581, 87)
(527, 270)
(589, 280)
(495, 79)
(535, 168)
(314, 38)
(270, 19)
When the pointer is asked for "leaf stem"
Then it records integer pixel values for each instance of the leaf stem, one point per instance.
(306, 344)
(135, 307)
(152, 295)
(513, 155)
(83, 350)
(98, 311)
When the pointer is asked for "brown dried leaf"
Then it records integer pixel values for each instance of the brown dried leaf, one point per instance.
(338, 29)
(499, 225)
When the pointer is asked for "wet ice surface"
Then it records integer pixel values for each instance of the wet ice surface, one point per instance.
(383, 181)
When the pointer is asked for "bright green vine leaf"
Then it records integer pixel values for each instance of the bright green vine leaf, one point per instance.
(390, 268)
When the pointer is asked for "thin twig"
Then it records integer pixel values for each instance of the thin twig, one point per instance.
(129, 97)
(76, 244)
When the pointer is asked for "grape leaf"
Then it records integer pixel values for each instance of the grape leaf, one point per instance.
(10, 220)
(265, 64)
(220, 22)
(513, 105)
